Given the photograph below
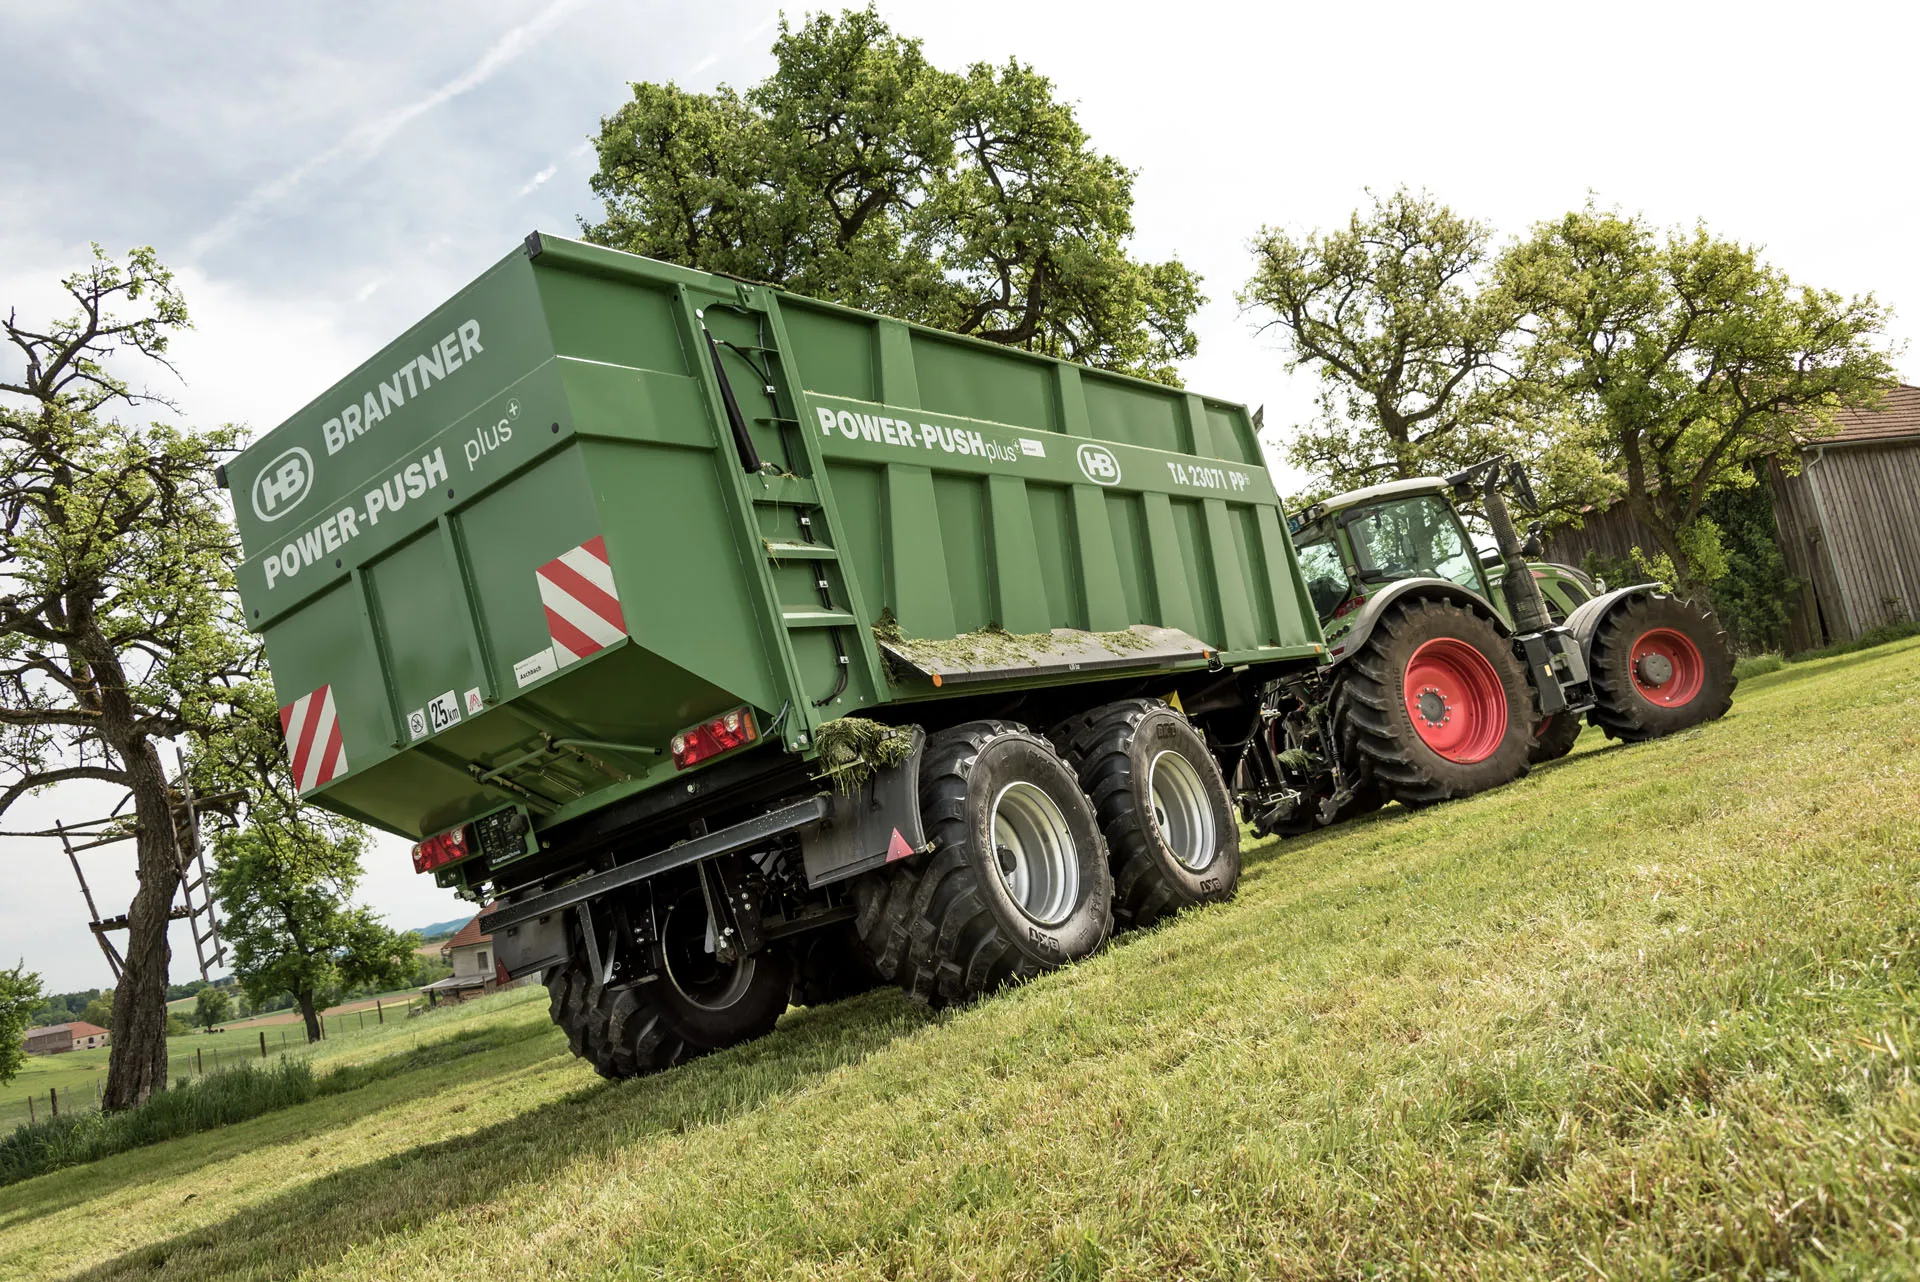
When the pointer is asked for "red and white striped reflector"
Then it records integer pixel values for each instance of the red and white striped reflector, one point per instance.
(583, 607)
(312, 728)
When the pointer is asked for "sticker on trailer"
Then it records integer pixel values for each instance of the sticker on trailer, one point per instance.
(417, 724)
(1032, 448)
(443, 710)
(536, 665)
(312, 728)
(475, 704)
(581, 602)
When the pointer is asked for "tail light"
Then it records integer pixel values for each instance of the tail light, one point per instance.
(1348, 606)
(439, 851)
(725, 732)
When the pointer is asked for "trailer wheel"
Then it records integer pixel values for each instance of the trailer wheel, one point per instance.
(1659, 664)
(1161, 804)
(694, 1004)
(1017, 882)
(1554, 737)
(829, 964)
(1434, 705)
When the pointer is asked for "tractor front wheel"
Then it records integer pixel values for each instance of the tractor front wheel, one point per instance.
(1434, 705)
(1554, 737)
(1659, 664)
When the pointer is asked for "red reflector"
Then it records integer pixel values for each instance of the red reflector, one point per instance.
(711, 738)
(439, 851)
(1348, 606)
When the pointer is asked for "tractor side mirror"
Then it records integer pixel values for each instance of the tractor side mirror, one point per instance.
(1532, 549)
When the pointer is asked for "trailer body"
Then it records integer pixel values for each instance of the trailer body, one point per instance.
(594, 500)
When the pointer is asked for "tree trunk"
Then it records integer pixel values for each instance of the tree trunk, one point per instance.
(137, 1063)
(312, 1016)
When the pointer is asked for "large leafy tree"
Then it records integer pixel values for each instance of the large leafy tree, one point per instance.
(859, 172)
(118, 629)
(1396, 315)
(285, 884)
(20, 1000)
(1686, 358)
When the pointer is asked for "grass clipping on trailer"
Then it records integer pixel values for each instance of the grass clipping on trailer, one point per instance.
(853, 750)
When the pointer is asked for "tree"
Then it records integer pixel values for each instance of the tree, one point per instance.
(1394, 312)
(99, 1011)
(118, 629)
(1688, 359)
(20, 1000)
(861, 173)
(212, 1006)
(284, 884)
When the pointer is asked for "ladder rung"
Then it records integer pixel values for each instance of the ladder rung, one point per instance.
(788, 491)
(816, 618)
(800, 551)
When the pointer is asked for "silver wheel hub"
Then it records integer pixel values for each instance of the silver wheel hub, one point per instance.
(1655, 669)
(1181, 811)
(1033, 847)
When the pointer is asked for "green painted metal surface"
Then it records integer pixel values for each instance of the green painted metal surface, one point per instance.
(401, 530)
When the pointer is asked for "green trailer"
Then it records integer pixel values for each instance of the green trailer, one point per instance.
(739, 648)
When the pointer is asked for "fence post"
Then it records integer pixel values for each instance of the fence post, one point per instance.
(96, 1094)
(379, 1011)
(31, 1119)
(53, 1099)
(263, 1043)
(216, 1059)
(198, 1066)
(362, 1012)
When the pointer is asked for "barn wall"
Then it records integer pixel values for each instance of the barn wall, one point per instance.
(1866, 499)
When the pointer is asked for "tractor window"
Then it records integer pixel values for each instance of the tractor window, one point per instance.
(1326, 577)
(1414, 538)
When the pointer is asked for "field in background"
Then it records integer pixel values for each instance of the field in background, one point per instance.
(1653, 1010)
(79, 1075)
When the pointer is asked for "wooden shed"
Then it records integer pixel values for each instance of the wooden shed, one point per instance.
(1849, 524)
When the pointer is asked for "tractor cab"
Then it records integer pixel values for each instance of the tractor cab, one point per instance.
(1355, 543)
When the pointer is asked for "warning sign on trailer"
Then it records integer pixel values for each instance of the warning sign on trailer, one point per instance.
(581, 601)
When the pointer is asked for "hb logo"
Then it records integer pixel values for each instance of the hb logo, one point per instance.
(281, 484)
(1098, 464)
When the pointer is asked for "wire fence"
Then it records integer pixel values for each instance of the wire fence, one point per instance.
(81, 1093)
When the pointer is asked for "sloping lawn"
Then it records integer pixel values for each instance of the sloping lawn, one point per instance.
(1650, 1012)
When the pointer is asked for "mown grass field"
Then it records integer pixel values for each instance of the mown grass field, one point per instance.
(1651, 1012)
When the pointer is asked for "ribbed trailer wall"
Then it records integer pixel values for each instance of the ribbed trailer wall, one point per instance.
(503, 562)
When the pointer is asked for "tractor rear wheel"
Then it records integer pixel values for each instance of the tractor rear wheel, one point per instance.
(1016, 883)
(1554, 737)
(1434, 705)
(1161, 804)
(1659, 664)
(694, 1004)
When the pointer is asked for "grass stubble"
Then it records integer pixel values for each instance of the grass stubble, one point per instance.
(1649, 1012)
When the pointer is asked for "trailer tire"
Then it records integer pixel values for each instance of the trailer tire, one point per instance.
(1434, 705)
(829, 964)
(638, 1028)
(1660, 664)
(1154, 787)
(956, 922)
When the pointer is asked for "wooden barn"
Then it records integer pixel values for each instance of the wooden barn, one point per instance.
(1849, 525)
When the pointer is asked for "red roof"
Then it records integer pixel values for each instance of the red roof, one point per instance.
(81, 1028)
(470, 933)
(1897, 417)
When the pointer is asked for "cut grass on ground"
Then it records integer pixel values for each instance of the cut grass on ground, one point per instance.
(1651, 1011)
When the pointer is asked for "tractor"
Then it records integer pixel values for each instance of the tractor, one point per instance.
(1452, 670)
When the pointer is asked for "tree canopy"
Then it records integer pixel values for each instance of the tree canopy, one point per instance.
(284, 884)
(20, 1000)
(861, 173)
(1684, 358)
(212, 1006)
(118, 627)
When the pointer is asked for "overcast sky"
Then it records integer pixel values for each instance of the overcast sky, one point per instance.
(322, 175)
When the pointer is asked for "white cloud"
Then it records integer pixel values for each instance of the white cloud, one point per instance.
(367, 140)
(700, 66)
(539, 179)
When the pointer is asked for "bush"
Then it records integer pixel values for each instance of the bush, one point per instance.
(1757, 666)
(217, 1099)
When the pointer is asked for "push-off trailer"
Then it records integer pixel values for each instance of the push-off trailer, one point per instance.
(739, 648)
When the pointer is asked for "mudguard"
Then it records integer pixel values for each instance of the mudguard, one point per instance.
(1438, 589)
(1585, 620)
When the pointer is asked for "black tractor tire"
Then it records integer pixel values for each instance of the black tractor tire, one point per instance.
(1364, 795)
(1486, 701)
(637, 1028)
(1554, 738)
(829, 964)
(1161, 804)
(1660, 664)
(946, 925)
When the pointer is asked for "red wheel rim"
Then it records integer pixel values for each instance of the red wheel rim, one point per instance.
(1667, 667)
(1455, 700)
